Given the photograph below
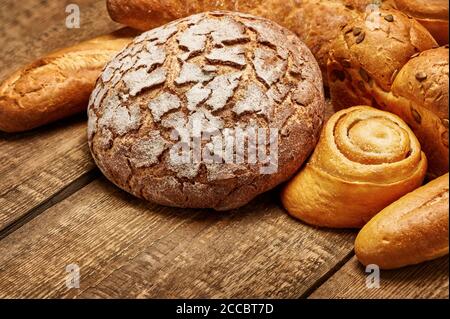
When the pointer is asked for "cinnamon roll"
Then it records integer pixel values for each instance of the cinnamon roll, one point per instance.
(365, 160)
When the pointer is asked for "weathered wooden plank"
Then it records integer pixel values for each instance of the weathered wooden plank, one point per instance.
(37, 165)
(32, 28)
(126, 247)
(427, 280)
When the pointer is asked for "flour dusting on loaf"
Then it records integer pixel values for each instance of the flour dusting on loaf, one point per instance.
(214, 74)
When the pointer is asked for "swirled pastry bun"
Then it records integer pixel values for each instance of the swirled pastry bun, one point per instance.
(365, 160)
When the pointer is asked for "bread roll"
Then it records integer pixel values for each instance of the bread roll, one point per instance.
(409, 231)
(433, 15)
(316, 22)
(419, 95)
(57, 85)
(222, 72)
(368, 53)
(376, 62)
(365, 160)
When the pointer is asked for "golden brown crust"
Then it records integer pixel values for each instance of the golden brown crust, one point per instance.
(356, 76)
(438, 28)
(369, 52)
(365, 159)
(57, 85)
(378, 65)
(219, 71)
(409, 231)
(433, 15)
(316, 22)
(419, 95)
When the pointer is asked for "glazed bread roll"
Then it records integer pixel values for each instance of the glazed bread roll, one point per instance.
(409, 231)
(378, 62)
(316, 22)
(433, 15)
(57, 85)
(365, 160)
(195, 87)
(368, 53)
(419, 95)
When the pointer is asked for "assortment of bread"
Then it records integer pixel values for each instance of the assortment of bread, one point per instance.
(316, 22)
(390, 64)
(368, 53)
(380, 62)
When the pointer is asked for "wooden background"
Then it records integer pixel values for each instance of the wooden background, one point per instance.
(56, 209)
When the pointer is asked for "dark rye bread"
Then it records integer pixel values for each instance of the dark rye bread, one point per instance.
(228, 69)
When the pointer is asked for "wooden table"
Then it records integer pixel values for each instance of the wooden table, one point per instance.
(56, 209)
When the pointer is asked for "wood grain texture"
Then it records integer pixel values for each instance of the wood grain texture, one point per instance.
(427, 280)
(126, 247)
(37, 165)
(32, 28)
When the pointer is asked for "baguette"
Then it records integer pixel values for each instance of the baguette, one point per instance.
(409, 231)
(57, 85)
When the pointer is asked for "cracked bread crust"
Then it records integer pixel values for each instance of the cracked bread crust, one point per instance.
(315, 22)
(226, 70)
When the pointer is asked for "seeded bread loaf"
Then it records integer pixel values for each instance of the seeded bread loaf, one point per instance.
(433, 15)
(378, 62)
(316, 22)
(419, 95)
(57, 85)
(411, 230)
(368, 54)
(214, 73)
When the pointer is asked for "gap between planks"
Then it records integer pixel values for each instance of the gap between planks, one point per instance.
(330, 273)
(59, 196)
(145, 250)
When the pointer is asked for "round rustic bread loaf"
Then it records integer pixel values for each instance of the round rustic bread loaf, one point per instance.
(223, 74)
